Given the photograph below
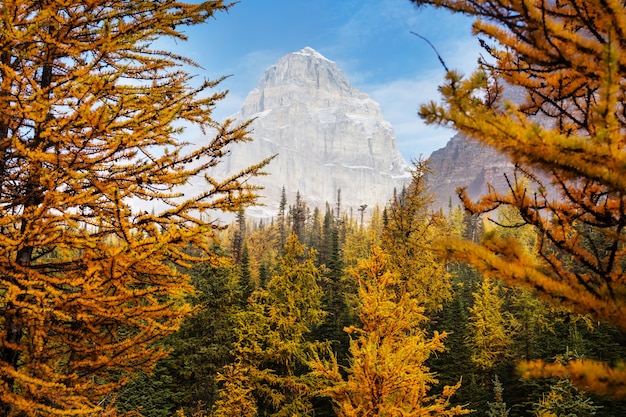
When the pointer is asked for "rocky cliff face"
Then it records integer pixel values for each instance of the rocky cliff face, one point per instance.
(465, 163)
(327, 135)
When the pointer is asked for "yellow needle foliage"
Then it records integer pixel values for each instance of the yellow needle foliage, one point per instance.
(408, 235)
(90, 122)
(566, 62)
(388, 375)
(491, 337)
(268, 375)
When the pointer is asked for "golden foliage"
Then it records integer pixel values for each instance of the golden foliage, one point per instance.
(387, 375)
(408, 237)
(589, 375)
(90, 124)
(566, 59)
(491, 329)
(268, 375)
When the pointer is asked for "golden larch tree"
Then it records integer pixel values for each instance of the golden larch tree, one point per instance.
(92, 121)
(269, 373)
(491, 329)
(566, 62)
(388, 374)
(407, 236)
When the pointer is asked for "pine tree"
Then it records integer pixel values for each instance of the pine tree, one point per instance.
(269, 372)
(92, 120)
(245, 275)
(186, 378)
(566, 58)
(328, 236)
(333, 286)
(408, 236)
(338, 295)
(282, 220)
(239, 236)
(498, 407)
(564, 399)
(362, 208)
(387, 375)
(297, 215)
(491, 336)
(455, 362)
(338, 205)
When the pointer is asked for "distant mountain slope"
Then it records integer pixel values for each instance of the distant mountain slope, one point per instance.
(328, 136)
(465, 163)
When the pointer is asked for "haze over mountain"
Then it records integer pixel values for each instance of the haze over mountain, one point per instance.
(327, 135)
(466, 163)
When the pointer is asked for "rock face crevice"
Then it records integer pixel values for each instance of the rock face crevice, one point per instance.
(327, 134)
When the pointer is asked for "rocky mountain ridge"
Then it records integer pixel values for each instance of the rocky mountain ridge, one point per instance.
(327, 136)
(465, 163)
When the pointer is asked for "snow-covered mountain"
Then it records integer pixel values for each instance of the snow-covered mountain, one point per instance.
(327, 134)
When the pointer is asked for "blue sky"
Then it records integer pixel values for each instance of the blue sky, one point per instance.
(370, 41)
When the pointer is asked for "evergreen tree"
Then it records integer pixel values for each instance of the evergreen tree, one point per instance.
(198, 350)
(387, 375)
(297, 215)
(533, 320)
(408, 237)
(269, 372)
(455, 362)
(282, 220)
(245, 276)
(264, 275)
(564, 399)
(335, 291)
(498, 407)
(93, 119)
(328, 244)
(239, 237)
(362, 208)
(338, 205)
(567, 59)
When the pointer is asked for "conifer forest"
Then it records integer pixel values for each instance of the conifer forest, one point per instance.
(513, 305)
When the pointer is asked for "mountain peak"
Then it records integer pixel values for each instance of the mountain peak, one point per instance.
(308, 51)
(307, 69)
(328, 136)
